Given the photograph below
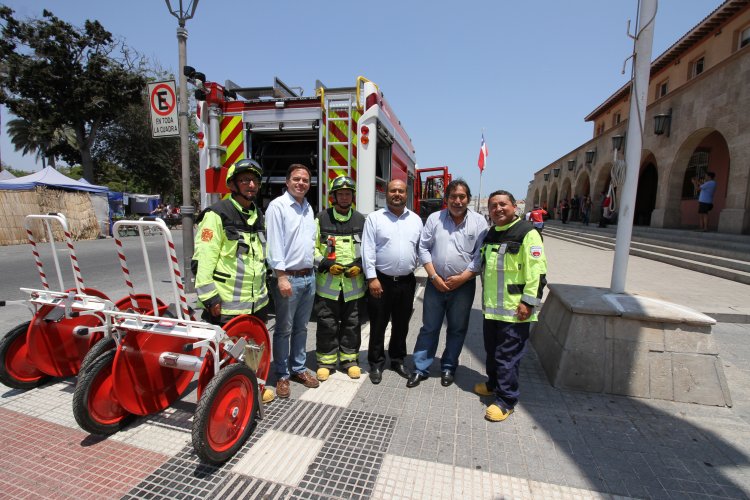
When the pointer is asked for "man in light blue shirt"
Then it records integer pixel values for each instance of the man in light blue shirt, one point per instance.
(291, 244)
(450, 252)
(389, 255)
(705, 199)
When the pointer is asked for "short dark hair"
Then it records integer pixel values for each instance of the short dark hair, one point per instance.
(501, 192)
(452, 185)
(711, 175)
(297, 166)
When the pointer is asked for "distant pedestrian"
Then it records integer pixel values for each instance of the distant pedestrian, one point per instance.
(537, 216)
(564, 210)
(586, 206)
(513, 276)
(706, 192)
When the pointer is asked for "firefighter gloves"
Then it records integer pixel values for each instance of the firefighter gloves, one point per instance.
(325, 265)
(336, 269)
(353, 272)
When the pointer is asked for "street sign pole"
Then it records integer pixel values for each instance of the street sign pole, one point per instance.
(187, 210)
(183, 12)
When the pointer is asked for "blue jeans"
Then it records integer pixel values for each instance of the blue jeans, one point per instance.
(292, 315)
(456, 307)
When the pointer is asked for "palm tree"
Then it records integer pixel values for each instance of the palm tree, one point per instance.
(35, 138)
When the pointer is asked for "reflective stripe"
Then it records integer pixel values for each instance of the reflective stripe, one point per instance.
(326, 359)
(239, 277)
(327, 287)
(499, 311)
(348, 357)
(533, 301)
(246, 306)
(355, 292)
(206, 289)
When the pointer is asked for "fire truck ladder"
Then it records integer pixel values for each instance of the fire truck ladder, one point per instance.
(338, 154)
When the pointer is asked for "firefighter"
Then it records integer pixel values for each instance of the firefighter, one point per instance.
(229, 259)
(513, 276)
(340, 283)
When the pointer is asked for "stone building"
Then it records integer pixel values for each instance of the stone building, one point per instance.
(697, 121)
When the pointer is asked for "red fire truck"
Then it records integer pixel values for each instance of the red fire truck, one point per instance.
(343, 130)
(429, 192)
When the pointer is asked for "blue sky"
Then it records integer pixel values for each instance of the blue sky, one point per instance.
(525, 72)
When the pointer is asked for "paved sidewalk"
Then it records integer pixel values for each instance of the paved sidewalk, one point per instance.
(351, 439)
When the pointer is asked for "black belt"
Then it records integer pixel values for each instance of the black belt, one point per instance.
(394, 278)
(298, 272)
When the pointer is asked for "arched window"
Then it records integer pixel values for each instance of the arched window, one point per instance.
(697, 168)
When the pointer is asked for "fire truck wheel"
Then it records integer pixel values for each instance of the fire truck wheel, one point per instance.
(95, 405)
(16, 369)
(99, 348)
(225, 414)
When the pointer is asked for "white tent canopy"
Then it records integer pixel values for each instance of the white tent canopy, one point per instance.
(50, 177)
(4, 174)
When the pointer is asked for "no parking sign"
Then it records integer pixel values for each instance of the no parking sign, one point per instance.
(163, 105)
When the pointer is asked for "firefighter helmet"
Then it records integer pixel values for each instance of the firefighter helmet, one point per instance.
(244, 165)
(343, 182)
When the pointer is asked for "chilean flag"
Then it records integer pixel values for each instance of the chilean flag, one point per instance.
(483, 154)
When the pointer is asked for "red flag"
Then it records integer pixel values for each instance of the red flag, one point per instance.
(483, 154)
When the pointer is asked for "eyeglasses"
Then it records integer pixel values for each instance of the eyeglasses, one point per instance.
(247, 180)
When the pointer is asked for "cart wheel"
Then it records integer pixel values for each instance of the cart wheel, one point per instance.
(225, 414)
(16, 369)
(95, 404)
(99, 348)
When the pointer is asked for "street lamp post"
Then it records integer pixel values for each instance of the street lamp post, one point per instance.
(184, 10)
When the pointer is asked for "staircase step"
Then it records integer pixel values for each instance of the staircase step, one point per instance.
(724, 256)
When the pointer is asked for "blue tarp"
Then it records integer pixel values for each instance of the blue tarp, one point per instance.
(48, 176)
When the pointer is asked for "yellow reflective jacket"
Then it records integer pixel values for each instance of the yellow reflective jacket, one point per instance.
(230, 257)
(514, 270)
(347, 229)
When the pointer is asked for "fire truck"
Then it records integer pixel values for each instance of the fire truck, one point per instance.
(338, 131)
(429, 192)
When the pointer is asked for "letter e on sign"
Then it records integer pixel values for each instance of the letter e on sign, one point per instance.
(163, 106)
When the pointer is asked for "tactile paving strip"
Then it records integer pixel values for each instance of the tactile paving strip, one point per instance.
(359, 429)
(350, 460)
(242, 487)
(342, 472)
(186, 469)
(179, 478)
(309, 419)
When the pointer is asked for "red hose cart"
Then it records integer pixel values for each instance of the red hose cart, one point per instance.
(158, 355)
(66, 322)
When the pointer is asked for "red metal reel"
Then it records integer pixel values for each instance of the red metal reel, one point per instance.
(251, 328)
(21, 372)
(143, 300)
(52, 346)
(142, 385)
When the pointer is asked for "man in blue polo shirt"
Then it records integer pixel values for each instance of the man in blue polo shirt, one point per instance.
(450, 250)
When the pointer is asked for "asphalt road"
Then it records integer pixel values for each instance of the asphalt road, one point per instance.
(99, 266)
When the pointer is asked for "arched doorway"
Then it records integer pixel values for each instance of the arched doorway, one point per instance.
(645, 198)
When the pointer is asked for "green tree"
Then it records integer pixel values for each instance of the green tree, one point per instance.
(55, 75)
(30, 138)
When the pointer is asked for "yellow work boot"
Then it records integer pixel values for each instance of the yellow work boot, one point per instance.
(354, 371)
(496, 414)
(482, 389)
(323, 374)
(268, 395)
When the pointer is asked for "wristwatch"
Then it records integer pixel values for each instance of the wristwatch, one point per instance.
(432, 278)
